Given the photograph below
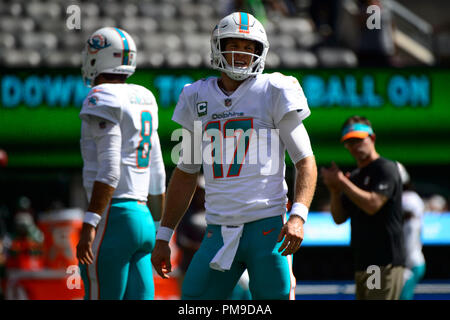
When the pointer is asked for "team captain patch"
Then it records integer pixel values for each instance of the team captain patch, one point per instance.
(202, 108)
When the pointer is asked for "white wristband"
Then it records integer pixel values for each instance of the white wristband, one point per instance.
(164, 233)
(299, 209)
(92, 218)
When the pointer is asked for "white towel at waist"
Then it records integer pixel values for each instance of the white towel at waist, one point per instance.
(224, 257)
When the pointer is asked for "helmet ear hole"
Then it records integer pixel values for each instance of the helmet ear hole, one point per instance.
(92, 62)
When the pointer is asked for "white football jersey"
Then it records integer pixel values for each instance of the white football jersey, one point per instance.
(244, 172)
(134, 109)
(412, 228)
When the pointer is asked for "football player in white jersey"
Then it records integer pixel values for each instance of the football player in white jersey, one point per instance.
(123, 167)
(413, 211)
(245, 189)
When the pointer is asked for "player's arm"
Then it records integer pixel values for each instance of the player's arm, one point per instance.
(413, 207)
(369, 201)
(331, 177)
(337, 209)
(305, 182)
(157, 187)
(294, 136)
(156, 206)
(179, 195)
(108, 139)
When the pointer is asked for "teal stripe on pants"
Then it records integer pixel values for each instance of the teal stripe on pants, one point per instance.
(123, 263)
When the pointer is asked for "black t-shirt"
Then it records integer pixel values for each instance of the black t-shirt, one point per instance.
(377, 239)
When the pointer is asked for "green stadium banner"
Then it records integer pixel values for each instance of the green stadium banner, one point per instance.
(408, 108)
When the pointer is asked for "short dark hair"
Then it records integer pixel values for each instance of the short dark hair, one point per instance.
(356, 119)
(111, 77)
(114, 76)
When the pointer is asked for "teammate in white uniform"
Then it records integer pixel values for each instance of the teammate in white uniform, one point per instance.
(413, 211)
(243, 117)
(123, 167)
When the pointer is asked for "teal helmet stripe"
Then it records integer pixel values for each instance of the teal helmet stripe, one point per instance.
(126, 47)
(244, 21)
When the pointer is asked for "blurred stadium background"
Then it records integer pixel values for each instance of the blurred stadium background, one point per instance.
(399, 79)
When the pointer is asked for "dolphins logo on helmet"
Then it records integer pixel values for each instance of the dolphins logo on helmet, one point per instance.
(97, 42)
(243, 26)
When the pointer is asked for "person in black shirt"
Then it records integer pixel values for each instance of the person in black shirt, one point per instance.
(371, 197)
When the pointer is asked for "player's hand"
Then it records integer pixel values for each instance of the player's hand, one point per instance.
(161, 258)
(84, 247)
(292, 231)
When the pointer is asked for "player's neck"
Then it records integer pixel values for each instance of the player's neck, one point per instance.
(96, 83)
(227, 84)
(100, 79)
(361, 163)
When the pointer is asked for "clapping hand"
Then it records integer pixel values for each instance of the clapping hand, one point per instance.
(332, 177)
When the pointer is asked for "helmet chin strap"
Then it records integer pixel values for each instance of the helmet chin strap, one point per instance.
(237, 76)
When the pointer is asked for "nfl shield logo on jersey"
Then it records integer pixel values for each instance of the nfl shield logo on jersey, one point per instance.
(227, 102)
(202, 108)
